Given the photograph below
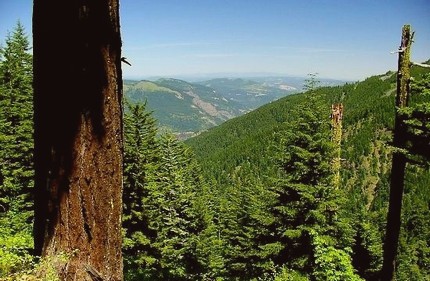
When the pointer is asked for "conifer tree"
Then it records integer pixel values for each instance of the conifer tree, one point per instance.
(211, 245)
(16, 120)
(161, 199)
(417, 120)
(244, 223)
(16, 151)
(141, 157)
(175, 219)
(311, 236)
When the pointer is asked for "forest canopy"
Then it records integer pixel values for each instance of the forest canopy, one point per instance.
(252, 199)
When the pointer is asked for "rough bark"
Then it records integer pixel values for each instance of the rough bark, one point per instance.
(78, 136)
(399, 160)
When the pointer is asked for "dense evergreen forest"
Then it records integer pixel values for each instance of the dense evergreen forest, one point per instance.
(256, 198)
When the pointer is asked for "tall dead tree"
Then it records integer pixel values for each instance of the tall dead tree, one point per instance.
(336, 125)
(78, 136)
(399, 159)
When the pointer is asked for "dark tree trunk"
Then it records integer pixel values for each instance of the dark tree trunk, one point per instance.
(78, 136)
(399, 160)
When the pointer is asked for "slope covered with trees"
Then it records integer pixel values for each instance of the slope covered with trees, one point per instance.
(188, 108)
(254, 199)
(253, 141)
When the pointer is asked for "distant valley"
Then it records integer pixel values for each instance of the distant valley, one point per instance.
(187, 109)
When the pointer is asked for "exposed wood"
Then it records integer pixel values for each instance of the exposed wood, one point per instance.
(421, 64)
(336, 124)
(78, 135)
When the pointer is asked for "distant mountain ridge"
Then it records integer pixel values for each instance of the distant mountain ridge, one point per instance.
(187, 108)
(369, 108)
(179, 106)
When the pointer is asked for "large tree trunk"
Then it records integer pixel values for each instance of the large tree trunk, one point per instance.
(399, 160)
(78, 136)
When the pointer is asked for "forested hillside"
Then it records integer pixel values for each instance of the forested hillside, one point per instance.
(180, 106)
(257, 198)
(250, 144)
(188, 108)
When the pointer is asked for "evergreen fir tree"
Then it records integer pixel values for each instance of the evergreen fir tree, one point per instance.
(244, 223)
(141, 156)
(162, 187)
(311, 236)
(417, 119)
(175, 189)
(16, 123)
(16, 153)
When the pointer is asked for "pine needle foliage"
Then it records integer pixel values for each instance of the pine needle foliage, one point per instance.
(161, 217)
(16, 153)
(313, 235)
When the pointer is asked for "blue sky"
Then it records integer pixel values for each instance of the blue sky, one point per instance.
(335, 38)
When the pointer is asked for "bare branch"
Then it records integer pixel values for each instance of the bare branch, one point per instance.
(420, 64)
(400, 50)
(124, 60)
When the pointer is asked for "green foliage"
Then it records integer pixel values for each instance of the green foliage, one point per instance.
(331, 263)
(414, 245)
(180, 106)
(14, 246)
(290, 275)
(246, 94)
(46, 269)
(175, 218)
(161, 216)
(16, 166)
(367, 248)
(417, 119)
(366, 157)
(140, 158)
(15, 119)
(188, 108)
(266, 208)
(243, 221)
(414, 255)
(308, 221)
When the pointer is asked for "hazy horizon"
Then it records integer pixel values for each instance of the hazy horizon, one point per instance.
(196, 77)
(345, 40)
